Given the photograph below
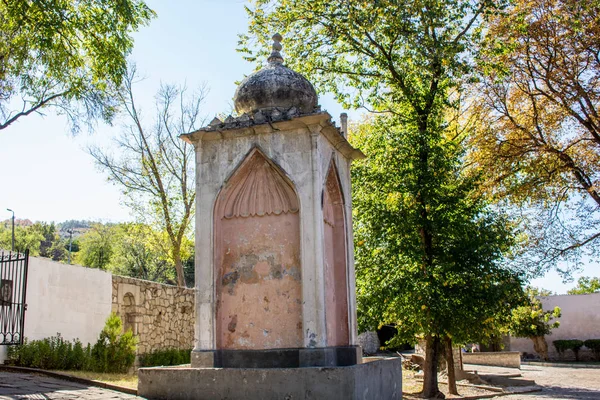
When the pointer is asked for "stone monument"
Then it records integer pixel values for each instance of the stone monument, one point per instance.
(275, 294)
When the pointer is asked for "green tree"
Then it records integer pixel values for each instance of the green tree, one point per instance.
(586, 285)
(539, 123)
(65, 54)
(51, 246)
(403, 57)
(96, 246)
(533, 322)
(25, 238)
(142, 252)
(464, 292)
(115, 350)
(155, 167)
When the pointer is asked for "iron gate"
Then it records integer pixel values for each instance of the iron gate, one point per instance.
(13, 287)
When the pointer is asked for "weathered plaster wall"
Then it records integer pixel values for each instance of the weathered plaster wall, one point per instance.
(72, 300)
(161, 315)
(67, 299)
(580, 320)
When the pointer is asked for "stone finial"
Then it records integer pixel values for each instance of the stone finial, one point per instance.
(275, 56)
(344, 123)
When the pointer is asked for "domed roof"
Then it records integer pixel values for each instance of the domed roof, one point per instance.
(275, 86)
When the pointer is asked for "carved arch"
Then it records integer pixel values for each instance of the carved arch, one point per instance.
(336, 260)
(258, 283)
(257, 188)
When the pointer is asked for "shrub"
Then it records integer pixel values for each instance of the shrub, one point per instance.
(165, 357)
(49, 353)
(114, 351)
(594, 345)
(573, 344)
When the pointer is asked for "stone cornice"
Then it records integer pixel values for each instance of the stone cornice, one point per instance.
(320, 122)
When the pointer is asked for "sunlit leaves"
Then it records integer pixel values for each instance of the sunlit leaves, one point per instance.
(65, 53)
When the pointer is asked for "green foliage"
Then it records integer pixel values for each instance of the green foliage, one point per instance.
(464, 292)
(143, 252)
(538, 292)
(531, 320)
(586, 285)
(165, 357)
(114, 351)
(25, 238)
(371, 53)
(572, 344)
(51, 353)
(65, 53)
(594, 345)
(96, 246)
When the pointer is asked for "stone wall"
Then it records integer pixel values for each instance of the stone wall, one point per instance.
(162, 316)
(580, 320)
(508, 359)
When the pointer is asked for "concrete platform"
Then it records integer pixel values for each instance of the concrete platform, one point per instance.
(381, 379)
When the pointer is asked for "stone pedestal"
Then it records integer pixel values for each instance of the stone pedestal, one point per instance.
(377, 380)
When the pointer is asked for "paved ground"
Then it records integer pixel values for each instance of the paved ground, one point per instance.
(15, 385)
(561, 383)
(558, 384)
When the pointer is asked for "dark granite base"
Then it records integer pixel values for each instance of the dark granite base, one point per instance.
(339, 356)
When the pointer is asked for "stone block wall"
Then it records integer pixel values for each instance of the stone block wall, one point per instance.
(162, 316)
(508, 359)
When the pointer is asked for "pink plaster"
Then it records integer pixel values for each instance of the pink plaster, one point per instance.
(336, 289)
(257, 249)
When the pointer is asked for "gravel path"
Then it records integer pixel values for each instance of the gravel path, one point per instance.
(560, 383)
(17, 385)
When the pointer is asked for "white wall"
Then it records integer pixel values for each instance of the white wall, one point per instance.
(580, 320)
(67, 299)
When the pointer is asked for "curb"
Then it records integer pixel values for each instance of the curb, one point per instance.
(71, 378)
(559, 364)
(486, 396)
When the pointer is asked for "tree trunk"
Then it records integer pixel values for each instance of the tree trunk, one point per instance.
(450, 367)
(540, 346)
(179, 268)
(430, 368)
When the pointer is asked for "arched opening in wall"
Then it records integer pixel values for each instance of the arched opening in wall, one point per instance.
(257, 259)
(129, 313)
(335, 251)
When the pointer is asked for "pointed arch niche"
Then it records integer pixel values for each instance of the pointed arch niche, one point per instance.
(336, 288)
(257, 259)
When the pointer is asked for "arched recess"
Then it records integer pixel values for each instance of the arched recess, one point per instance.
(130, 313)
(257, 259)
(336, 288)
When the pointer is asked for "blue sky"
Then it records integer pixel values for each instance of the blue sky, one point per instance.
(47, 174)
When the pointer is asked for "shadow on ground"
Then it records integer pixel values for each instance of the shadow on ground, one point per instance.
(555, 392)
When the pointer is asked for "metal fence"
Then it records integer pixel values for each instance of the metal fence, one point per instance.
(13, 288)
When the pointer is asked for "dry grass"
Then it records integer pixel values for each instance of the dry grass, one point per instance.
(126, 380)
